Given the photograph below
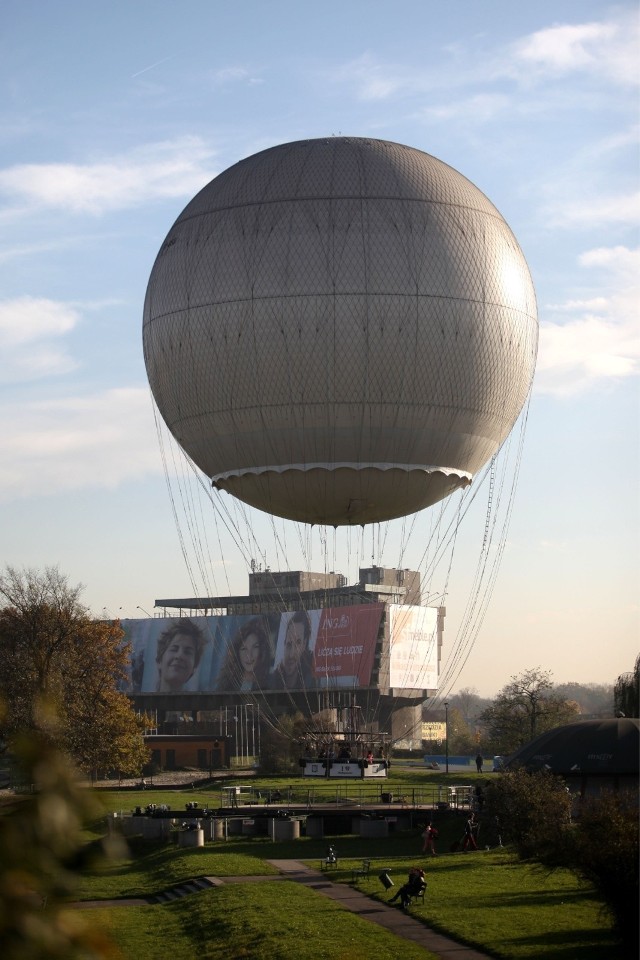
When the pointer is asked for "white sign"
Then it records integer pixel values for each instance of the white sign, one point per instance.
(413, 637)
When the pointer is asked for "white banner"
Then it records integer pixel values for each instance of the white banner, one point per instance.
(413, 638)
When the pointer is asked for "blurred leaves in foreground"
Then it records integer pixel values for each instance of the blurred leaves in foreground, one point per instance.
(41, 849)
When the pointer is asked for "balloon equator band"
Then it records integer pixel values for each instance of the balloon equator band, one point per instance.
(463, 475)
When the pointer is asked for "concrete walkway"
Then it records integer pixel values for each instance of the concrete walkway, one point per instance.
(349, 897)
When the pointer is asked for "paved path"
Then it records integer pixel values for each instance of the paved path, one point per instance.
(391, 917)
(347, 895)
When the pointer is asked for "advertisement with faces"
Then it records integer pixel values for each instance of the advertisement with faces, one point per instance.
(297, 650)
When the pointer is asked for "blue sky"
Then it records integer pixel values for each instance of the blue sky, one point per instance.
(113, 116)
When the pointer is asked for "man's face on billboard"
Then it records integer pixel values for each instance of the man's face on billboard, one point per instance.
(294, 644)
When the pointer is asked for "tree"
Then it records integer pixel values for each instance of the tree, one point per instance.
(532, 811)
(105, 734)
(595, 699)
(602, 848)
(59, 670)
(42, 850)
(626, 693)
(529, 810)
(280, 745)
(524, 708)
(460, 735)
(469, 702)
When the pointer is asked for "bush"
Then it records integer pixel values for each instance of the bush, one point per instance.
(602, 848)
(529, 810)
(532, 811)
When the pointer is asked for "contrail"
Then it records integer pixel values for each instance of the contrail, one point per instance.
(153, 65)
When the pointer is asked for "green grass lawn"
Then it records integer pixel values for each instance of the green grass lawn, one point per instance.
(504, 907)
(151, 867)
(270, 921)
(487, 898)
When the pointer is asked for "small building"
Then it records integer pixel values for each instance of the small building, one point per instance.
(174, 752)
(591, 755)
(371, 648)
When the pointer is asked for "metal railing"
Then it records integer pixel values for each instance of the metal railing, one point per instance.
(349, 794)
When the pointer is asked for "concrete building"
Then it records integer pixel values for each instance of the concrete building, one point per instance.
(375, 652)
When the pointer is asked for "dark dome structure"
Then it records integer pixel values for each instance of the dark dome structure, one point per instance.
(340, 331)
(589, 754)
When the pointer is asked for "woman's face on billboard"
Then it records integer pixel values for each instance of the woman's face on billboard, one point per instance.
(249, 654)
(178, 662)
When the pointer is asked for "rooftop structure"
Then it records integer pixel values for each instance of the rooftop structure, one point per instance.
(271, 591)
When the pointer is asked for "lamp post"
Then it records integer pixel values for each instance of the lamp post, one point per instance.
(446, 736)
(235, 717)
(143, 610)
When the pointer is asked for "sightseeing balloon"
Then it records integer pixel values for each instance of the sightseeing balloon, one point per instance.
(340, 331)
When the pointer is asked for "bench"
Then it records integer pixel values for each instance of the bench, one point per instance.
(418, 895)
(269, 796)
(360, 872)
(331, 859)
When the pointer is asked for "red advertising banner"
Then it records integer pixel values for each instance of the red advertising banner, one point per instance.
(345, 645)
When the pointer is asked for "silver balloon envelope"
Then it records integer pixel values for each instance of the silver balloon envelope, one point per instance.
(340, 331)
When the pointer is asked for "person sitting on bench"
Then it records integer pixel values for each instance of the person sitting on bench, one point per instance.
(331, 859)
(414, 886)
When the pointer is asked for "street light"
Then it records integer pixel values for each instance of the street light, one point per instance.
(143, 610)
(446, 736)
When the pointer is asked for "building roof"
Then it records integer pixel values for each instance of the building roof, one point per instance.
(608, 747)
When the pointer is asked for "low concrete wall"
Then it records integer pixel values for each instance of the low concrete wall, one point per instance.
(373, 828)
(153, 829)
(315, 827)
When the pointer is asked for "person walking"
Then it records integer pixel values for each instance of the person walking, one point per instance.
(479, 762)
(470, 828)
(429, 835)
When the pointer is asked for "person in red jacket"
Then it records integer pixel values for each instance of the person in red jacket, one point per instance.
(429, 837)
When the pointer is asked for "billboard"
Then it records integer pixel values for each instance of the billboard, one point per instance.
(345, 645)
(297, 650)
(413, 647)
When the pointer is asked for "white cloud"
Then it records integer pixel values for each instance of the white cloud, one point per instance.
(595, 210)
(170, 169)
(601, 344)
(230, 75)
(34, 248)
(30, 318)
(622, 261)
(478, 108)
(67, 444)
(607, 49)
(29, 327)
(372, 80)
